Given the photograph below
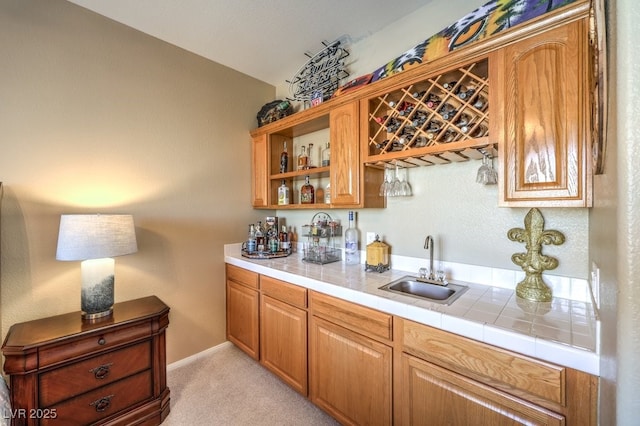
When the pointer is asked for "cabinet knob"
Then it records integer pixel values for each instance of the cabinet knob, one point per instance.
(101, 341)
(102, 404)
(101, 371)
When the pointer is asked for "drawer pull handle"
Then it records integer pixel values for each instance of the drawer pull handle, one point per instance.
(101, 341)
(101, 371)
(102, 404)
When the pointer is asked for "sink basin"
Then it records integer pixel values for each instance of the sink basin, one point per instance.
(425, 290)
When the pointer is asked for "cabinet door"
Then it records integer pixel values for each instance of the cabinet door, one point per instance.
(283, 341)
(242, 318)
(349, 375)
(540, 115)
(260, 159)
(345, 155)
(433, 395)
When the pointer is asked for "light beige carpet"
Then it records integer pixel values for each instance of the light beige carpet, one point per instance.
(226, 387)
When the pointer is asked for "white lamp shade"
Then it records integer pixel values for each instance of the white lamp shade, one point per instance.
(84, 236)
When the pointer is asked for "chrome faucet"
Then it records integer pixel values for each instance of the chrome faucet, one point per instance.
(428, 245)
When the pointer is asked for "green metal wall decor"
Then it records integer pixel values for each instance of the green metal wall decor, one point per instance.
(533, 262)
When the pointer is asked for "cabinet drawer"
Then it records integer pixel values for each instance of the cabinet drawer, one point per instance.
(92, 343)
(358, 318)
(80, 377)
(496, 367)
(103, 402)
(283, 291)
(242, 276)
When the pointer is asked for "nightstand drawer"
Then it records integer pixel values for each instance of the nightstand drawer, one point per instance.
(103, 402)
(49, 355)
(80, 377)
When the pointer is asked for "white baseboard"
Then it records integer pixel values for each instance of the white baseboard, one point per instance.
(194, 357)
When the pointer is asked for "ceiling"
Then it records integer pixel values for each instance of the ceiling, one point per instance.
(266, 39)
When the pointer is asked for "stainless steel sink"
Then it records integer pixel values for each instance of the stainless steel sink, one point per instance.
(426, 290)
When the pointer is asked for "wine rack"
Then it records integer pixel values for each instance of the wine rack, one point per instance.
(440, 119)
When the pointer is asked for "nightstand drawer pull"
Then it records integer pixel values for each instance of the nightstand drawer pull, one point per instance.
(102, 371)
(103, 403)
(101, 341)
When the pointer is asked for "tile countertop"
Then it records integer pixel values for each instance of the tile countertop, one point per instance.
(564, 331)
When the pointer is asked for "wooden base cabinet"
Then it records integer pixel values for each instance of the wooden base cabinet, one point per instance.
(350, 375)
(283, 331)
(350, 369)
(243, 304)
(449, 379)
(434, 395)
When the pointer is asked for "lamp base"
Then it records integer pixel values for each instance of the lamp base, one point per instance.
(97, 299)
(97, 316)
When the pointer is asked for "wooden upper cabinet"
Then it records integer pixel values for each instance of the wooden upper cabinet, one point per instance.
(345, 155)
(540, 117)
(260, 173)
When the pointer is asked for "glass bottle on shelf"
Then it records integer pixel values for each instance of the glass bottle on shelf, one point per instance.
(307, 192)
(284, 159)
(351, 253)
(327, 193)
(283, 194)
(326, 156)
(310, 160)
(303, 159)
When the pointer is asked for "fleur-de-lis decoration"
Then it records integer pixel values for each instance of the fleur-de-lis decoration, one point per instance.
(533, 262)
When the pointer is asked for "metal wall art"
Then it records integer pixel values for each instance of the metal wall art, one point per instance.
(321, 74)
(533, 262)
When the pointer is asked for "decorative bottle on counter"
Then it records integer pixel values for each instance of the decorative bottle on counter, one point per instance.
(283, 194)
(284, 159)
(251, 242)
(284, 239)
(303, 159)
(351, 253)
(307, 192)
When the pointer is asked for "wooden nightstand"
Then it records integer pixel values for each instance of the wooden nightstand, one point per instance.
(69, 372)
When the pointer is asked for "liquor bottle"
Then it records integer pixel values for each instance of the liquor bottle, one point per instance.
(293, 239)
(310, 157)
(284, 239)
(327, 194)
(303, 159)
(284, 159)
(251, 241)
(326, 156)
(283, 194)
(307, 192)
(351, 253)
(259, 238)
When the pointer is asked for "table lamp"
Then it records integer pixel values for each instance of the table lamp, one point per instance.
(95, 239)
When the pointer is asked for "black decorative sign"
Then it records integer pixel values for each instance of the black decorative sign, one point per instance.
(321, 74)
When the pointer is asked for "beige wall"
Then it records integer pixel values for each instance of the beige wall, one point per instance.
(97, 117)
